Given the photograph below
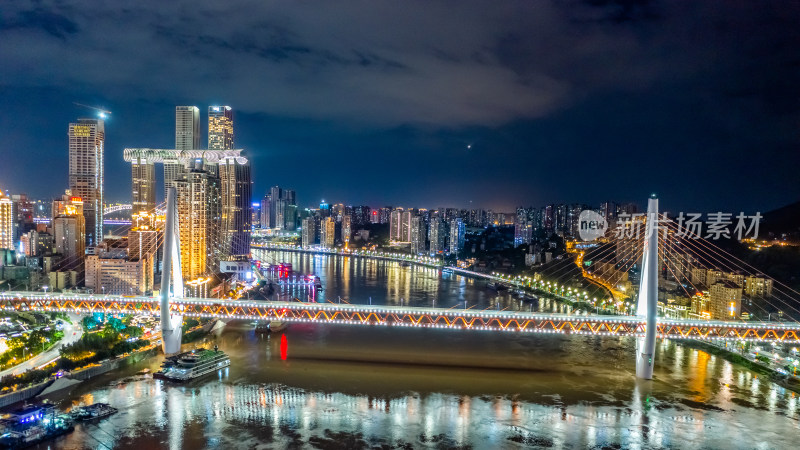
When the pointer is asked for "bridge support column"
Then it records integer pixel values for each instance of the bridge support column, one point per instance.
(647, 303)
(171, 277)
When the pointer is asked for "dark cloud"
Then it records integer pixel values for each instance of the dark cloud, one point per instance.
(537, 85)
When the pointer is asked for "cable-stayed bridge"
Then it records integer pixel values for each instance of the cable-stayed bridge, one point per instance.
(418, 317)
(653, 254)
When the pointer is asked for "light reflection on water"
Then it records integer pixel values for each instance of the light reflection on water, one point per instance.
(437, 388)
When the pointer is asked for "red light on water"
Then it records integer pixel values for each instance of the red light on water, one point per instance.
(284, 347)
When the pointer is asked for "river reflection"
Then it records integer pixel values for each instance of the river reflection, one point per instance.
(364, 387)
(364, 281)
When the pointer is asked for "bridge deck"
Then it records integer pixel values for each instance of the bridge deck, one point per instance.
(379, 315)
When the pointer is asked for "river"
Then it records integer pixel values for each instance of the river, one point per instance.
(342, 386)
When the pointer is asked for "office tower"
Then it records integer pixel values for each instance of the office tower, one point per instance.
(6, 222)
(234, 174)
(220, 128)
(198, 218)
(327, 232)
(308, 232)
(457, 232)
(86, 141)
(418, 235)
(347, 229)
(143, 177)
(187, 137)
(725, 300)
(69, 229)
(436, 236)
(187, 128)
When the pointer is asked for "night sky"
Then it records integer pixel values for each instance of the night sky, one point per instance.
(428, 104)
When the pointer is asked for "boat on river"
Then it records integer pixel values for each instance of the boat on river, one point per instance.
(93, 412)
(190, 365)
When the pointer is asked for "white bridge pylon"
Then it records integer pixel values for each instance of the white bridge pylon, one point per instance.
(171, 325)
(647, 303)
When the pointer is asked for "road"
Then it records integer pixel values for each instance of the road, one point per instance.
(71, 334)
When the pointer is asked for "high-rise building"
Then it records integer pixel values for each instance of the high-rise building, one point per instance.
(384, 214)
(758, 286)
(418, 235)
(69, 229)
(143, 177)
(327, 232)
(523, 226)
(255, 214)
(187, 128)
(457, 231)
(347, 229)
(220, 128)
(436, 236)
(266, 211)
(361, 215)
(395, 218)
(405, 226)
(86, 149)
(725, 300)
(187, 137)
(308, 232)
(234, 174)
(23, 215)
(6, 222)
(198, 219)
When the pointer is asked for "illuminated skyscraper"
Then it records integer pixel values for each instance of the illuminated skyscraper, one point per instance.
(234, 174)
(457, 231)
(143, 177)
(6, 222)
(347, 229)
(198, 209)
(86, 148)
(327, 232)
(187, 137)
(220, 128)
(436, 236)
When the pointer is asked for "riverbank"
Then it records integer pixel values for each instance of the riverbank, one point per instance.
(94, 369)
(789, 382)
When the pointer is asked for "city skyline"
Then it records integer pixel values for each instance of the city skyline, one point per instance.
(488, 115)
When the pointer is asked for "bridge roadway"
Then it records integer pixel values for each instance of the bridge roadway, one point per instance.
(400, 316)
